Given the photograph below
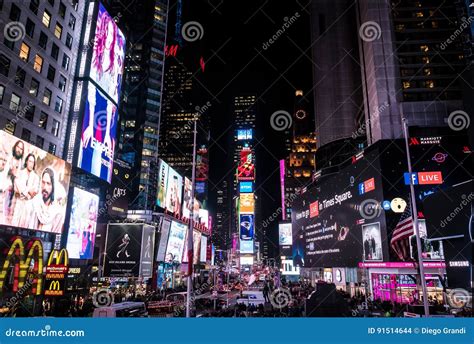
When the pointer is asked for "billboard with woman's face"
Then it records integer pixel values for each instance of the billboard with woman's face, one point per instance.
(108, 55)
(98, 139)
(82, 225)
(33, 186)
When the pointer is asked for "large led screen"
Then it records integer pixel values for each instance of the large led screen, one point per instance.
(196, 247)
(176, 240)
(285, 234)
(203, 253)
(246, 168)
(98, 139)
(247, 203)
(174, 189)
(33, 186)
(163, 169)
(82, 225)
(108, 55)
(246, 226)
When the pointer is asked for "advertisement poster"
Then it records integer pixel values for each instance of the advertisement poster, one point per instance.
(246, 246)
(246, 226)
(187, 198)
(176, 240)
(204, 217)
(196, 248)
(146, 255)
(33, 186)
(285, 235)
(123, 250)
(372, 239)
(119, 191)
(247, 203)
(174, 188)
(98, 139)
(246, 168)
(202, 165)
(108, 55)
(244, 134)
(163, 169)
(203, 252)
(82, 224)
(164, 233)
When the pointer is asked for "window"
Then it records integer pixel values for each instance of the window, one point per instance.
(10, 127)
(55, 128)
(15, 103)
(2, 92)
(29, 111)
(58, 31)
(51, 73)
(52, 148)
(15, 13)
(34, 87)
(62, 82)
(66, 61)
(4, 65)
(20, 77)
(58, 106)
(62, 10)
(30, 28)
(55, 51)
(39, 142)
(38, 64)
(43, 40)
(43, 121)
(75, 4)
(72, 22)
(46, 18)
(47, 96)
(26, 135)
(24, 51)
(34, 4)
(69, 41)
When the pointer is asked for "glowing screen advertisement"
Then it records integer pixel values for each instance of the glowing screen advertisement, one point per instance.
(163, 169)
(176, 240)
(33, 186)
(246, 168)
(244, 134)
(174, 188)
(196, 247)
(245, 187)
(246, 226)
(98, 140)
(285, 235)
(108, 55)
(203, 252)
(82, 225)
(247, 203)
(246, 246)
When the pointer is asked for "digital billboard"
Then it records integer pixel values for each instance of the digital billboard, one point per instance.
(187, 198)
(245, 187)
(98, 139)
(246, 167)
(33, 186)
(164, 233)
(246, 260)
(176, 241)
(204, 217)
(174, 189)
(119, 191)
(82, 224)
(372, 242)
(247, 203)
(246, 246)
(244, 134)
(203, 252)
(129, 250)
(202, 165)
(108, 55)
(246, 226)
(285, 235)
(163, 169)
(196, 247)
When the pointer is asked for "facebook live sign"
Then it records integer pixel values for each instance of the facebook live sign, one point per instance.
(423, 178)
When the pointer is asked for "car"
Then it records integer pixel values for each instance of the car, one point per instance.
(251, 297)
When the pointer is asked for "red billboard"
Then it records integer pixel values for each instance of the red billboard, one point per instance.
(246, 168)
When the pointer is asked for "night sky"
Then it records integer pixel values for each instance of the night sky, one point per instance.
(236, 62)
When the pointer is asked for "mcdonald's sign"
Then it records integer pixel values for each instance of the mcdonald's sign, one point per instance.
(21, 267)
(56, 271)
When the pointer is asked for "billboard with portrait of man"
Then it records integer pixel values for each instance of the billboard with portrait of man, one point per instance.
(33, 186)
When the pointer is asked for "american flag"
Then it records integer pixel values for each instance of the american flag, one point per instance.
(400, 241)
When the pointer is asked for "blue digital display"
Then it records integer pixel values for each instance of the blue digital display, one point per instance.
(246, 187)
(244, 134)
